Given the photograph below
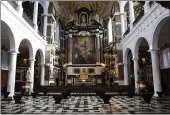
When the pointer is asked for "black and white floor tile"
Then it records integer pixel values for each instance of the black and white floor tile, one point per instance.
(86, 104)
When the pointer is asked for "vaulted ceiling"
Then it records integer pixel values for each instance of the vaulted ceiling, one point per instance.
(102, 8)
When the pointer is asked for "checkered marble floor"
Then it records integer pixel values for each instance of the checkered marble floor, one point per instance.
(86, 104)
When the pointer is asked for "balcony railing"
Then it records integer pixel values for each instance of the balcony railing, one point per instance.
(144, 23)
(40, 33)
(138, 18)
(30, 22)
(13, 4)
(127, 31)
(151, 3)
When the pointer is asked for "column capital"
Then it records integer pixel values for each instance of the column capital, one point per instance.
(125, 63)
(123, 13)
(135, 59)
(153, 50)
(32, 59)
(97, 35)
(101, 36)
(13, 52)
(42, 64)
(70, 35)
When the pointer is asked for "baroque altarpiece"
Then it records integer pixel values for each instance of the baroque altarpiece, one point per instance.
(84, 48)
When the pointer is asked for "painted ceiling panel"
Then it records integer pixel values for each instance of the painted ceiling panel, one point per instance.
(67, 8)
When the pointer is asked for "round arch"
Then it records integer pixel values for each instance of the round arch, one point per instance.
(25, 48)
(30, 47)
(158, 27)
(8, 43)
(137, 44)
(126, 54)
(39, 61)
(6, 32)
(160, 42)
(41, 55)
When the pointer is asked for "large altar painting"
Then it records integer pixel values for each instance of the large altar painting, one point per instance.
(84, 50)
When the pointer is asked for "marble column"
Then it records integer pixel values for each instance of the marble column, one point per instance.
(52, 32)
(126, 23)
(110, 35)
(12, 72)
(98, 47)
(126, 80)
(136, 67)
(45, 20)
(45, 28)
(32, 74)
(19, 8)
(101, 49)
(132, 15)
(35, 15)
(146, 7)
(122, 17)
(42, 74)
(156, 71)
(70, 48)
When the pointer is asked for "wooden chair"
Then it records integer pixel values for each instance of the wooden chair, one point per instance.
(57, 100)
(18, 102)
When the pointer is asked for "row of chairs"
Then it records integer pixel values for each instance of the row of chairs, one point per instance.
(145, 95)
(19, 103)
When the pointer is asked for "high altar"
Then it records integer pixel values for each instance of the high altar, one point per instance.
(84, 44)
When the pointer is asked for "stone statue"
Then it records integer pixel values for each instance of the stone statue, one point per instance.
(83, 20)
(28, 76)
(28, 81)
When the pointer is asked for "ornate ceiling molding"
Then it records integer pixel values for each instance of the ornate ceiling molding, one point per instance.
(66, 9)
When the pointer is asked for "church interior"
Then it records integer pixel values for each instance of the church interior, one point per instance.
(85, 57)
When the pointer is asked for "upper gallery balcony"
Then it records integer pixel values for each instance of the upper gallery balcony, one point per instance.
(135, 17)
(142, 19)
(31, 12)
